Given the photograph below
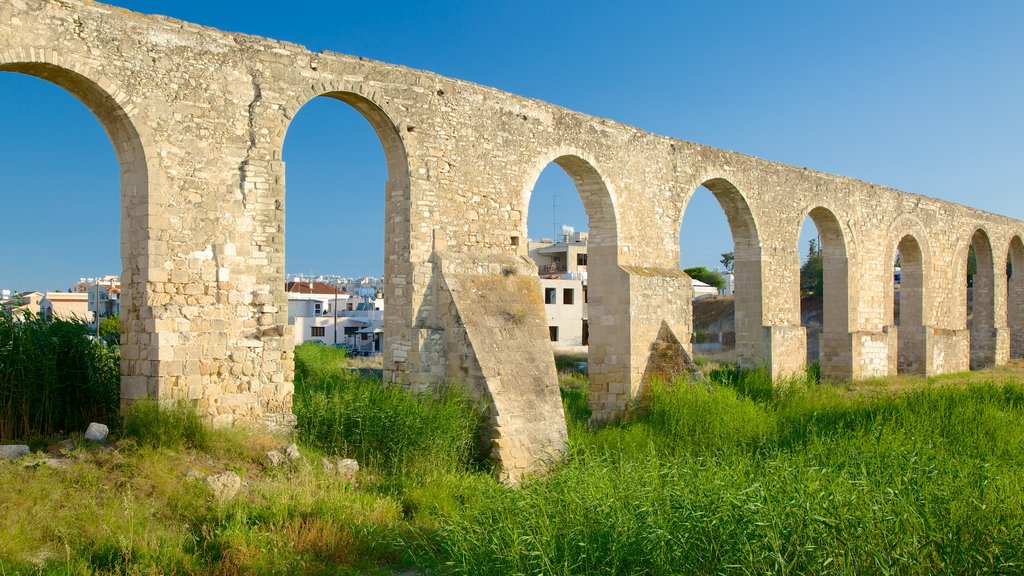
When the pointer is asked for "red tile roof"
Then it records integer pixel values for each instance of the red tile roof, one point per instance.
(307, 287)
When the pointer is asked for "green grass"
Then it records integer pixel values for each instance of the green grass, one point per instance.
(730, 479)
(738, 475)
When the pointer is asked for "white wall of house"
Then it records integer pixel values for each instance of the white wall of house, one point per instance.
(566, 310)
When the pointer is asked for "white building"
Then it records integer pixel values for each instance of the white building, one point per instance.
(104, 294)
(323, 313)
(562, 267)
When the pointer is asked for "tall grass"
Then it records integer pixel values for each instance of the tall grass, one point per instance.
(732, 478)
(54, 378)
(385, 427)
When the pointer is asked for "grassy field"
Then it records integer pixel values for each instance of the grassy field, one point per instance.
(908, 476)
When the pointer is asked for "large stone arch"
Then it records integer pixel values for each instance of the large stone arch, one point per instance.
(751, 338)
(980, 298)
(1015, 296)
(139, 204)
(607, 284)
(836, 353)
(399, 312)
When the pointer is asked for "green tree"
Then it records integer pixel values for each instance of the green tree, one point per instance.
(812, 272)
(709, 277)
(728, 258)
(110, 329)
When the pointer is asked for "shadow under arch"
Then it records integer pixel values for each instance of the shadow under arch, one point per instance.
(398, 259)
(748, 305)
(136, 201)
(835, 346)
(980, 299)
(1015, 296)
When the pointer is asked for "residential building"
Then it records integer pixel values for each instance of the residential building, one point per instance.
(66, 306)
(104, 294)
(562, 267)
(22, 304)
(322, 312)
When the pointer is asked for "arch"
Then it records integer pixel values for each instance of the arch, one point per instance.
(747, 302)
(980, 309)
(835, 352)
(398, 260)
(911, 335)
(597, 195)
(1015, 297)
(111, 108)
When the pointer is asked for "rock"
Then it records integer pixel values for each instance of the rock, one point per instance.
(343, 467)
(12, 451)
(60, 448)
(284, 455)
(224, 486)
(276, 458)
(96, 432)
(292, 452)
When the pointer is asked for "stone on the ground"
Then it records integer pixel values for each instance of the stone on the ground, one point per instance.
(284, 455)
(12, 451)
(276, 458)
(343, 467)
(96, 432)
(225, 485)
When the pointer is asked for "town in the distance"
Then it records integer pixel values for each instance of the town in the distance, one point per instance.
(349, 312)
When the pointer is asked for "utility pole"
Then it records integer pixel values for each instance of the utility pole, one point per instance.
(96, 285)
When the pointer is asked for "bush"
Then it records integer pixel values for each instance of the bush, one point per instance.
(54, 378)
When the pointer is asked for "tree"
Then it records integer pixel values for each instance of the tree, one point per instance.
(709, 277)
(110, 329)
(812, 272)
(728, 258)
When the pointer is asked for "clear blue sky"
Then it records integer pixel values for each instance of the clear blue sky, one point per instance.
(927, 97)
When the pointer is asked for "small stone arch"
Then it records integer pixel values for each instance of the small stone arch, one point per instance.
(138, 199)
(748, 303)
(596, 193)
(1015, 296)
(836, 354)
(911, 327)
(979, 297)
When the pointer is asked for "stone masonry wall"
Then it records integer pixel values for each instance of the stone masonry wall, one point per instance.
(198, 119)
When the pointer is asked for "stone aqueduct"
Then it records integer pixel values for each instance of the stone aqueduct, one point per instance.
(198, 117)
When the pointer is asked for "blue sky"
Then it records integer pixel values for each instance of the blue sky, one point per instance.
(922, 96)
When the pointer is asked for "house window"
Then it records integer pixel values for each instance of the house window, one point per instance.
(581, 259)
(553, 333)
(586, 333)
(550, 295)
(584, 293)
(567, 296)
(316, 331)
(317, 308)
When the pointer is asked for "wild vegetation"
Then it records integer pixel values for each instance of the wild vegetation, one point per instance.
(54, 378)
(737, 475)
